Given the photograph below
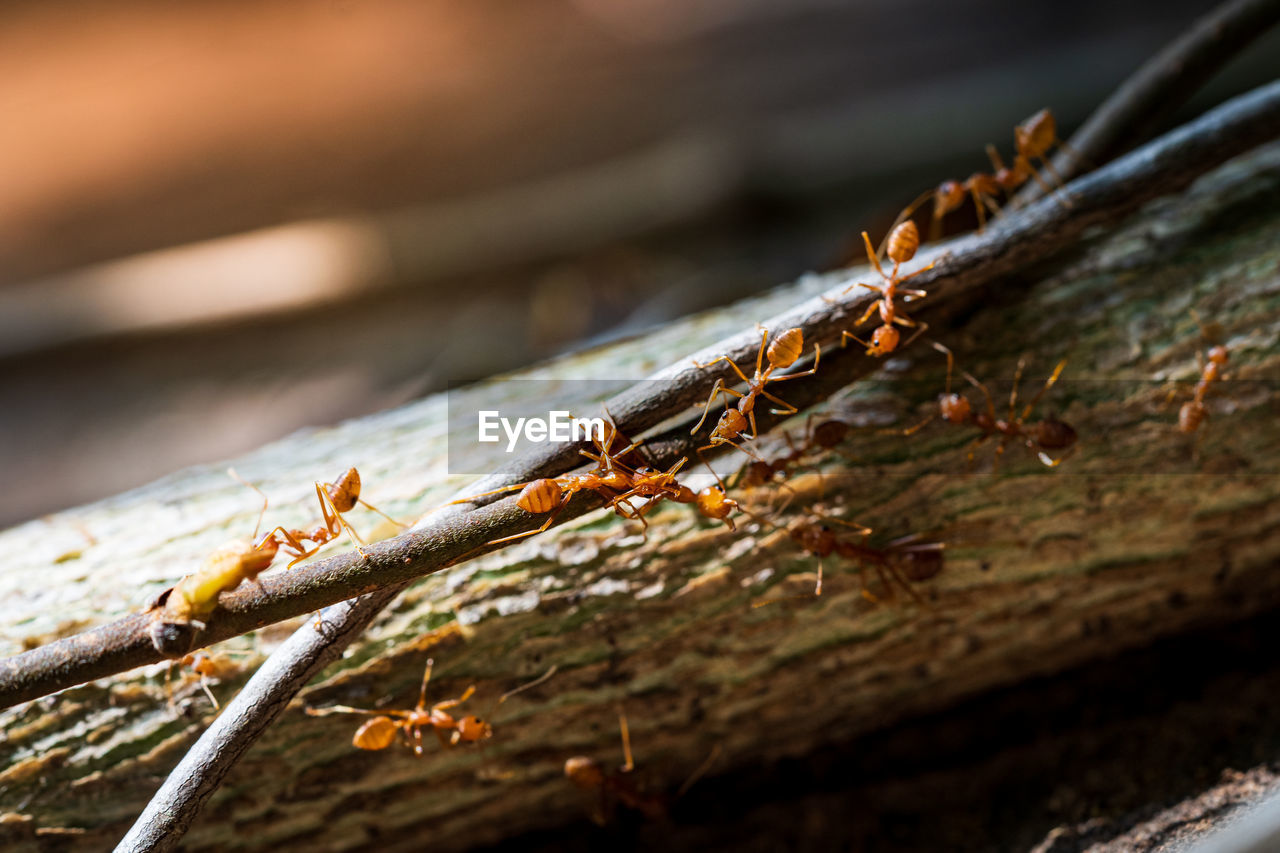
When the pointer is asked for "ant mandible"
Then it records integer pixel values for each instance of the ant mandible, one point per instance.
(380, 731)
(904, 240)
(1039, 436)
(783, 352)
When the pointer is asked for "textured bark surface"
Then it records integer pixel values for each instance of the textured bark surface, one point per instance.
(1142, 534)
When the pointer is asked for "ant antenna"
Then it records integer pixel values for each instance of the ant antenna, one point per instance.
(232, 473)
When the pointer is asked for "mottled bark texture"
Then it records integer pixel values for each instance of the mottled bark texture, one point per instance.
(1141, 534)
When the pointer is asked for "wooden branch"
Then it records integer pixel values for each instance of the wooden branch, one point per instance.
(1045, 569)
(1166, 165)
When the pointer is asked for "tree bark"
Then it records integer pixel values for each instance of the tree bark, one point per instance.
(1144, 533)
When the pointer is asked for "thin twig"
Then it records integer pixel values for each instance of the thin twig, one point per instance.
(1150, 96)
(1164, 166)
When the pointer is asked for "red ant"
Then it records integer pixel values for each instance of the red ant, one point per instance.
(207, 665)
(899, 561)
(783, 352)
(646, 482)
(380, 731)
(335, 499)
(904, 240)
(1032, 141)
(1039, 436)
(587, 774)
(1194, 411)
(825, 436)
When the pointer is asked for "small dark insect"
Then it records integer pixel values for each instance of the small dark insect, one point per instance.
(609, 789)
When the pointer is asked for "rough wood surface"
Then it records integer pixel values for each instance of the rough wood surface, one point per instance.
(1139, 535)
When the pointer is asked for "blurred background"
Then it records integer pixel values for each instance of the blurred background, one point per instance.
(223, 221)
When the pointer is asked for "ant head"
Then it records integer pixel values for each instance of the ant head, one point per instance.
(950, 195)
(584, 772)
(731, 424)
(955, 408)
(713, 504)
(472, 730)
(904, 240)
(1219, 355)
(786, 348)
(883, 340)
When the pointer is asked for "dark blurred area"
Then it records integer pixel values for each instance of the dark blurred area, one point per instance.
(223, 221)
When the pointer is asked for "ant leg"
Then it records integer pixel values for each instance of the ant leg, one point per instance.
(1061, 189)
(453, 703)
(906, 214)
(817, 356)
(920, 271)
(471, 498)
(845, 335)
(991, 409)
(1049, 461)
(788, 410)
(368, 505)
(336, 518)
(871, 256)
(873, 307)
(951, 362)
(629, 762)
(700, 772)
(978, 206)
(204, 685)
(550, 519)
(1053, 377)
(263, 511)
(920, 327)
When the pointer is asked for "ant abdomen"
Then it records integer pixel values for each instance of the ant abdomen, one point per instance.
(786, 348)
(904, 240)
(540, 496)
(377, 733)
(1053, 434)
